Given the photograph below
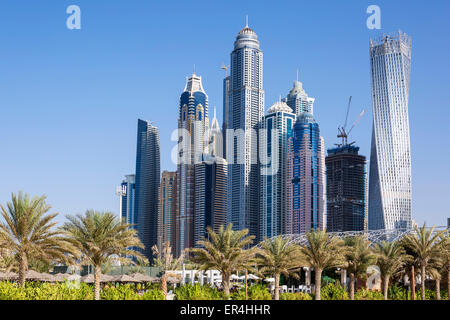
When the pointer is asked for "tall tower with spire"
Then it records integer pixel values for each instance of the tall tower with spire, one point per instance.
(245, 111)
(298, 99)
(193, 124)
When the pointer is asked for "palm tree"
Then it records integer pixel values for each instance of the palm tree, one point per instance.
(390, 258)
(166, 262)
(358, 257)
(425, 244)
(278, 256)
(101, 237)
(8, 263)
(440, 265)
(224, 251)
(29, 233)
(321, 252)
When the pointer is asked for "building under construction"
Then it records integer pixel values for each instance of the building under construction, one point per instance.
(346, 189)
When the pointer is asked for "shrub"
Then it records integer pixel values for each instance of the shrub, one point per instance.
(259, 292)
(10, 291)
(365, 294)
(429, 294)
(153, 294)
(197, 292)
(397, 292)
(295, 296)
(44, 291)
(121, 292)
(255, 292)
(333, 291)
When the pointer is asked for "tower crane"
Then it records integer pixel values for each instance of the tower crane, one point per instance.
(343, 134)
(224, 67)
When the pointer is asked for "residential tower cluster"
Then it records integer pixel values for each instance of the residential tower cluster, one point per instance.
(268, 173)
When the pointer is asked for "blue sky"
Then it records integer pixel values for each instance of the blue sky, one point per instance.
(70, 99)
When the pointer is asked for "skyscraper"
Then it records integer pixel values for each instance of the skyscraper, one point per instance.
(210, 195)
(277, 128)
(147, 184)
(306, 177)
(298, 99)
(390, 158)
(193, 126)
(167, 209)
(226, 109)
(346, 189)
(246, 109)
(126, 192)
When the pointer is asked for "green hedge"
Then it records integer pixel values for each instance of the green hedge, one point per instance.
(255, 292)
(67, 291)
(45, 291)
(197, 292)
(295, 296)
(333, 291)
(365, 294)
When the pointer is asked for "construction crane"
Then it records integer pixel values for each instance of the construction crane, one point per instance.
(224, 67)
(343, 134)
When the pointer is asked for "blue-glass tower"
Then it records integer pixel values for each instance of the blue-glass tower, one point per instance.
(147, 185)
(306, 176)
(276, 129)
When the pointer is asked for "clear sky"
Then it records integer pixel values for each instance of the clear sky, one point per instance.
(70, 99)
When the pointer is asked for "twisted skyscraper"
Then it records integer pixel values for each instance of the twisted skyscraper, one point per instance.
(390, 159)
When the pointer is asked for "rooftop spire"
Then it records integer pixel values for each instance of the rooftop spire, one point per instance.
(246, 21)
(297, 74)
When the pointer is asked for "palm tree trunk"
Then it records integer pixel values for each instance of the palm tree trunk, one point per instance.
(277, 286)
(97, 275)
(246, 291)
(385, 287)
(23, 264)
(352, 286)
(413, 283)
(164, 285)
(422, 283)
(318, 282)
(438, 289)
(448, 281)
(226, 284)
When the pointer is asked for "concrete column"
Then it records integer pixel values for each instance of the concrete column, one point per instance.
(308, 276)
(183, 275)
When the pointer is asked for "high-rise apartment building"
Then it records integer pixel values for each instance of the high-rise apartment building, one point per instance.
(167, 209)
(390, 158)
(126, 192)
(306, 177)
(298, 100)
(210, 195)
(346, 189)
(276, 129)
(246, 109)
(147, 184)
(193, 126)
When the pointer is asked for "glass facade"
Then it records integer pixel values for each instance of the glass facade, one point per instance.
(306, 210)
(390, 158)
(147, 185)
(276, 130)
